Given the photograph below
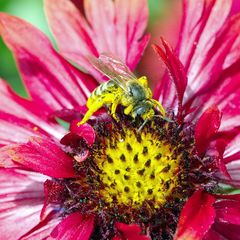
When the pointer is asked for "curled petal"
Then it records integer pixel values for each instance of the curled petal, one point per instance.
(196, 217)
(84, 131)
(207, 125)
(175, 68)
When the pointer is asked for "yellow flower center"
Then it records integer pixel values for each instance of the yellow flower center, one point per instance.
(137, 167)
(136, 175)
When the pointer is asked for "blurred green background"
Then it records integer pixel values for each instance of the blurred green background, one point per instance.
(32, 11)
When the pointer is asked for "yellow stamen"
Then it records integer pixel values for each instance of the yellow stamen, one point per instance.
(137, 167)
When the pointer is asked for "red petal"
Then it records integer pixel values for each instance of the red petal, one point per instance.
(228, 231)
(52, 82)
(175, 68)
(196, 217)
(207, 125)
(41, 155)
(213, 235)
(222, 167)
(130, 232)
(21, 200)
(53, 193)
(228, 212)
(228, 208)
(74, 227)
(235, 7)
(224, 139)
(223, 142)
(89, 37)
(85, 131)
(231, 157)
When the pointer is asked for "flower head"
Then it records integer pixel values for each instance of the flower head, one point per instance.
(121, 174)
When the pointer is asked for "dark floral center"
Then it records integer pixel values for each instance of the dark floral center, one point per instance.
(136, 175)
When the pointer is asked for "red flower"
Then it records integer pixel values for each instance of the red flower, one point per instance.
(106, 179)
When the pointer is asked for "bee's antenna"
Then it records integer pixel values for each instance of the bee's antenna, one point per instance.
(141, 127)
(164, 118)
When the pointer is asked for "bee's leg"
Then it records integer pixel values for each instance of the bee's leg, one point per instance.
(88, 114)
(128, 109)
(160, 107)
(114, 108)
(92, 108)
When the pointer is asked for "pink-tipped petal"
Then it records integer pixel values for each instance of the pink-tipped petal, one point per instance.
(218, 42)
(232, 160)
(130, 232)
(41, 155)
(94, 34)
(131, 22)
(207, 125)
(20, 118)
(52, 83)
(16, 130)
(196, 217)
(44, 228)
(176, 72)
(200, 24)
(21, 199)
(74, 227)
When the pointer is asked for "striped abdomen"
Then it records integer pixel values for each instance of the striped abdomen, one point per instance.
(104, 88)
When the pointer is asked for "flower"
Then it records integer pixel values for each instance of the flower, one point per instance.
(122, 179)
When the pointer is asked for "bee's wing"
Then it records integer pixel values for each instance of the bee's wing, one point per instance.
(113, 68)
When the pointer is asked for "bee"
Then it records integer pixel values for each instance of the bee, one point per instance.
(123, 88)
